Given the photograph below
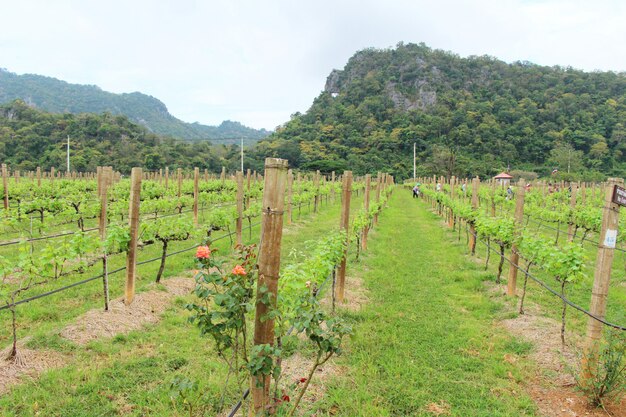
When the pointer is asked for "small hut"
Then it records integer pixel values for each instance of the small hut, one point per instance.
(503, 179)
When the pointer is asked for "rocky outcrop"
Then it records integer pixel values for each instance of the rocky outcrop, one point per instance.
(332, 82)
(424, 98)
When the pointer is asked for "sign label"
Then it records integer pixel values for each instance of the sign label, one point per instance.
(619, 195)
(610, 238)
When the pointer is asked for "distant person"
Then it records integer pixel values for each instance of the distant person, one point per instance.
(464, 188)
(509, 193)
(416, 191)
(438, 187)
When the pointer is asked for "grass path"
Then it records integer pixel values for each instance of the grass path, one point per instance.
(426, 343)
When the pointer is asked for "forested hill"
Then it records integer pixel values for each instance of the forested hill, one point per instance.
(30, 138)
(468, 116)
(58, 96)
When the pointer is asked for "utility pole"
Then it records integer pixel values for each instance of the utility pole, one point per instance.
(68, 154)
(414, 166)
(242, 156)
(569, 158)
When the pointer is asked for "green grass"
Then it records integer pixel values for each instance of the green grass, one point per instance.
(427, 333)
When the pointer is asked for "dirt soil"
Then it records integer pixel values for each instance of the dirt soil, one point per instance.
(33, 363)
(146, 308)
(554, 387)
(355, 295)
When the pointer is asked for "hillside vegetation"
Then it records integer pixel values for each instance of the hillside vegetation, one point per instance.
(58, 96)
(467, 116)
(30, 138)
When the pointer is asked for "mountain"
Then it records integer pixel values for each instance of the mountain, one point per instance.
(466, 116)
(30, 137)
(58, 96)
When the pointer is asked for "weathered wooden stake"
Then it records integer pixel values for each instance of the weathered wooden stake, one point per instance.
(268, 269)
(196, 178)
(239, 207)
(248, 173)
(5, 185)
(572, 205)
(601, 280)
(289, 196)
(344, 225)
(179, 175)
(517, 231)
(104, 180)
(450, 212)
(316, 184)
(167, 177)
(378, 190)
(133, 220)
(366, 206)
(472, 237)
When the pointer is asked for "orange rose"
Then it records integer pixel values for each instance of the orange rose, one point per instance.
(203, 252)
(238, 270)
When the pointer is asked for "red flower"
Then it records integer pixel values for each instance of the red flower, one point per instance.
(286, 398)
(302, 380)
(203, 252)
(238, 270)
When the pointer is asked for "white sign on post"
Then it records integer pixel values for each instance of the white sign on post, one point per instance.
(610, 238)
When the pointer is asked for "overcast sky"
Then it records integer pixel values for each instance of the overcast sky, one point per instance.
(258, 62)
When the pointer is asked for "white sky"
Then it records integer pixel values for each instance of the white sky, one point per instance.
(258, 62)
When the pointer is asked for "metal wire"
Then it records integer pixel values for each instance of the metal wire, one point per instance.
(84, 281)
(551, 290)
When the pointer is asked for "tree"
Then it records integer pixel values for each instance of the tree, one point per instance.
(566, 159)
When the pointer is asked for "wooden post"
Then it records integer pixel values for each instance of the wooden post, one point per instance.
(104, 180)
(378, 189)
(517, 231)
(450, 212)
(472, 237)
(38, 176)
(289, 195)
(133, 221)
(601, 280)
(268, 269)
(493, 198)
(17, 176)
(344, 225)
(196, 178)
(248, 180)
(366, 207)
(239, 207)
(179, 177)
(98, 180)
(167, 177)
(5, 185)
(572, 205)
(223, 176)
(316, 184)
(332, 188)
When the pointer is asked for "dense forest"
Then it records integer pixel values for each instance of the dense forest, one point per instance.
(467, 116)
(30, 138)
(56, 96)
